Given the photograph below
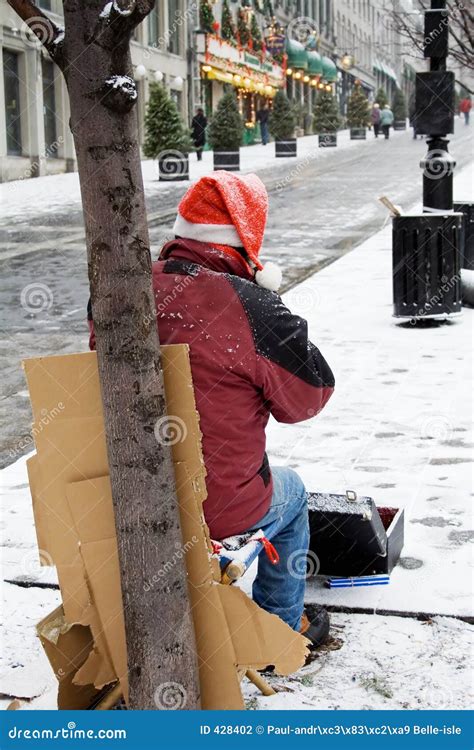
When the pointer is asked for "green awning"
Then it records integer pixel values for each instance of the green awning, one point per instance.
(329, 69)
(315, 64)
(297, 55)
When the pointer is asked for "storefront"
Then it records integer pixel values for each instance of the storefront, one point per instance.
(255, 77)
(306, 72)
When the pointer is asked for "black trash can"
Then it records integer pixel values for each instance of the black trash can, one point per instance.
(358, 134)
(426, 266)
(285, 148)
(326, 140)
(228, 160)
(466, 208)
(173, 166)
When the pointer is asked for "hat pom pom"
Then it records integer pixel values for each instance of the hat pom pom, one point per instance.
(269, 277)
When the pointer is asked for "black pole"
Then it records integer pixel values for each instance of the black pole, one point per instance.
(427, 247)
(435, 111)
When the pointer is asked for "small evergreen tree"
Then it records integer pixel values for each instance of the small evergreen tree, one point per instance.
(399, 106)
(256, 34)
(358, 108)
(227, 23)
(243, 33)
(206, 17)
(281, 122)
(164, 129)
(226, 128)
(326, 113)
(381, 97)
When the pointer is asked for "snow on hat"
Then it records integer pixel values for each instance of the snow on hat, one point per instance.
(229, 209)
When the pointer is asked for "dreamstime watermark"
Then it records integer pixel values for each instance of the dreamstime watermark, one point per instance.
(35, 562)
(303, 563)
(170, 430)
(161, 44)
(36, 297)
(302, 29)
(429, 308)
(293, 173)
(437, 164)
(180, 552)
(38, 31)
(302, 300)
(172, 164)
(38, 427)
(164, 302)
(170, 696)
(436, 427)
(34, 168)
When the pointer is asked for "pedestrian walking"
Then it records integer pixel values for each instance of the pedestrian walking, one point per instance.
(386, 119)
(465, 107)
(375, 118)
(198, 131)
(262, 118)
(412, 114)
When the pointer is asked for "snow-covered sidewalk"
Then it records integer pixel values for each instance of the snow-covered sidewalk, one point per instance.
(398, 429)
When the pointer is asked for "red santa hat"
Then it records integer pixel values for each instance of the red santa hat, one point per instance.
(229, 209)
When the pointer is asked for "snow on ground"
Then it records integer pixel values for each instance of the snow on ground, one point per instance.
(63, 191)
(398, 429)
(378, 663)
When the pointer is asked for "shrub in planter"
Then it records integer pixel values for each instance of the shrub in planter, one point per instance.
(327, 119)
(225, 133)
(399, 109)
(282, 126)
(166, 137)
(381, 98)
(358, 113)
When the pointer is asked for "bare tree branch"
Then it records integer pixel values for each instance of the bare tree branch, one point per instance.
(460, 30)
(123, 16)
(46, 31)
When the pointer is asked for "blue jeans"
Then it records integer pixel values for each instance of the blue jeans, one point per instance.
(264, 132)
(280, 588)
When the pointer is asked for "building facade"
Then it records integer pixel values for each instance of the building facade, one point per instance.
(34, 110)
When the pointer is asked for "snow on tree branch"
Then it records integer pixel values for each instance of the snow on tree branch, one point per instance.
(131, 12)
(47, 32)
(120, 93)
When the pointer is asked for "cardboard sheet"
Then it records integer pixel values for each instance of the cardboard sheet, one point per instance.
(75, 523)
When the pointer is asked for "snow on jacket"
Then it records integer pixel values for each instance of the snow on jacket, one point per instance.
(250, 357)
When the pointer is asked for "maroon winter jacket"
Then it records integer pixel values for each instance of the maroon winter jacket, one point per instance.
(249, 357)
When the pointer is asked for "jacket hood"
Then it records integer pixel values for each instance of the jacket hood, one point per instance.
(222, 259)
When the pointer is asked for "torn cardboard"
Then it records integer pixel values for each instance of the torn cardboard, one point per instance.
(73, 509)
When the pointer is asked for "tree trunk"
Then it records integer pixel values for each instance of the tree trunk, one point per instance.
(95, 58)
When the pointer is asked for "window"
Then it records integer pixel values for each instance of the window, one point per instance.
(177, 98)
(154, 28)
(174, 27)
(45, 4)
(12, 102)
(49, 108)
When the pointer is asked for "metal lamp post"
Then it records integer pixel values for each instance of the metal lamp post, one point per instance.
(427, 246)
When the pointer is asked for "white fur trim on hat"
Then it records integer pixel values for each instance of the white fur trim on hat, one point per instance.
(220, 234)
(269, 277)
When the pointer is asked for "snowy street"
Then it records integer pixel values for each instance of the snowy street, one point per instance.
(322, 204)
(397, 429)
